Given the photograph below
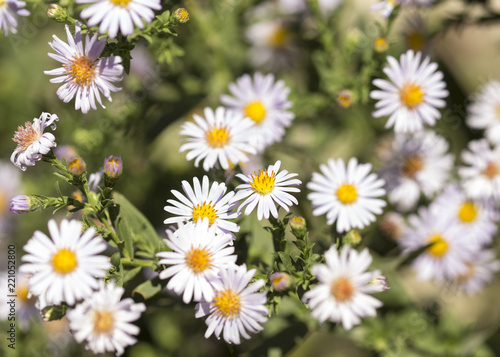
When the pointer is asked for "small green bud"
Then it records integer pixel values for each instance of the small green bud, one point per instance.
(298, 226)
(181, 15)
(76, 166)
(280, 281)
(353, 238)
(57, 13)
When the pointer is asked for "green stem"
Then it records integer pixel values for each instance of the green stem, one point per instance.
(137, 262)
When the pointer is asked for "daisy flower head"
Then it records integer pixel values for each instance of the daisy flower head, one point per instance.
(65, 266)
(481, 269)
(197, 253)
(221, 137)
(385, 7)
(484, 111)
(204, 201)
(480, 176)
(414, 90)
(9, 10)
(265, 101)
(114, 15)
(264, 189)
(32, 142)
(415, 163)
(26, 311)
(84, 76)
(451, 246)
(347, 194)
(104, 320)
(344, 285)
(474, 216)
(236, 308)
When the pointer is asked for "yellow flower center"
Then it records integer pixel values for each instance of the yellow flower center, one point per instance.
(218, 137)
(255, 111)
(491, 170)
(81, 70)
(345, 98)
(227, 303)
(279, 37)
(3, 201)
(439, 246)
(415, 41)
(205, 210)
(347, 194)
(412, 165)
(498, 111)
(198, 260)
(342, 289)
(380, 44)
(122, 3)
(103, 322)
(24, 137)
(411, 95)
(468, 212)
(64, 261)
(263, 182)
(22, 292)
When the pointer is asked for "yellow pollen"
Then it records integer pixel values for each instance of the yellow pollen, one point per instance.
(415, 41)
(227, 303)
(103, 322)
(439, 247)
(2, 2)
(491, 170)
(255, 111)
(468, 212)
(278, 37)
(198, 260)
(263, 182)
(342, 289)
(412, 165)
(347, 193)
(411, 95)
(81, 70)
(22, 293)
(64, 261)
(24, 137)
(205, 210)
(122, 3)
(218, 137)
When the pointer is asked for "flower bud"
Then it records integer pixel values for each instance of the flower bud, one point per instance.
(280, 281)
(76, 166)
(113, 167)
(298, 226)
(353, 238)
(345, 98)
(57, 13)
(380, 45)
(20, 204)
(181, 15)
(379, 284)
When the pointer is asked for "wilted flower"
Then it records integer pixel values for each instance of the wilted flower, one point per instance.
(20, 204)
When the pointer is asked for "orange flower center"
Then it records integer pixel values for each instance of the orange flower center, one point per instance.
(342, 289)
(24, 137)
(81, 70)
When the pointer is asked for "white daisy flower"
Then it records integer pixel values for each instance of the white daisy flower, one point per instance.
(222, 136)
(104, 320)
(473, 216)
(484, 111)
(415, 163)
(204, 201)
(64, 267)
(266, 188)
(9, 10)
(197, 253)
(481, 269)
(265, 102)
(236, 307)
(412, 95)
(385, 7)
(452, 247)
(26, 310)
(114, 15)
(32, 142)
(342, 292)
(83, 74)
(348, 195)
(481, 175)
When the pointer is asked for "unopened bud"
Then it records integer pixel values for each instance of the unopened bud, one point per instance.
(345, 98)
(57, 13)
(298, 226)
(113, 167)
(76, 166)
(380, 45)
(280, 281)
(77, 195)
(181, 15)
(353, 238)
(20, 204)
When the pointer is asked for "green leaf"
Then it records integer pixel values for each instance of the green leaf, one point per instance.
(148, 289)
(130, 274)
(287, 261)
(51, 313)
